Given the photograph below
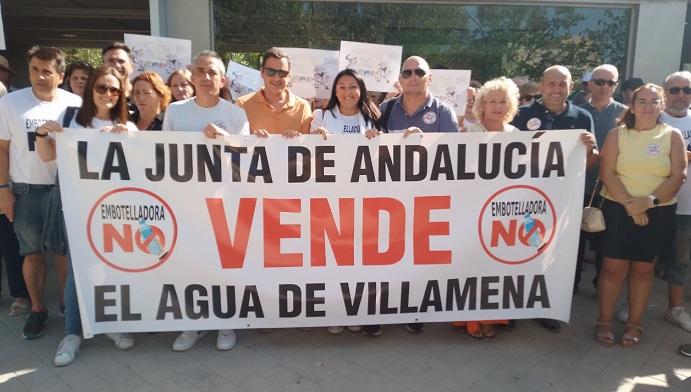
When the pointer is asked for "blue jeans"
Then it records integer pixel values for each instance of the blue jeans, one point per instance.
(674, 266)
(73, 321)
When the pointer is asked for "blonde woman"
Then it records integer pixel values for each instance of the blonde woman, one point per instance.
(496, 104)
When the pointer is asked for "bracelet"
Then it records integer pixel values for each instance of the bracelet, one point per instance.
(3, 186)
(41, 134)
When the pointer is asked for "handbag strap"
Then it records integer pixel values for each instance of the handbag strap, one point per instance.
(592, 196)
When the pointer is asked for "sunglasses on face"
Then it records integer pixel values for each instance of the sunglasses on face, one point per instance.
(103, 89)
(602, 82)
(528, 97)
(676, 90)
(272, 72)
(406, 73)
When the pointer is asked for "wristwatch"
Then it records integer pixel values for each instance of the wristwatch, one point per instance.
(654, 200)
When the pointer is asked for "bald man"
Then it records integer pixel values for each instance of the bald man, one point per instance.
(554, 111)
(416, 109)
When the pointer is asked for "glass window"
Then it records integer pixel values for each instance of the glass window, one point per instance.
(490, 40)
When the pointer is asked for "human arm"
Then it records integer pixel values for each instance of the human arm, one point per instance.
(45, 146)
(6, 195)
(592, 154)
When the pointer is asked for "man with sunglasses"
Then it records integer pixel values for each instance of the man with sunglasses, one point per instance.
(208, 113)
(554, 111)
(275, 109)
(604, 110)
(674, 266)
(416, 109)
(24, 201)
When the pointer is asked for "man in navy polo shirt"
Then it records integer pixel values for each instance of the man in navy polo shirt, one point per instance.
(554, 111)
(416, 109)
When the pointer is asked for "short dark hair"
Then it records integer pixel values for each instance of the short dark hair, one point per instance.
(117, 45)
(632, 84)
(47, 53)
(275, 53)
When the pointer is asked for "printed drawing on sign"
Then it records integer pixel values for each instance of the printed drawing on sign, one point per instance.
(312, 71)
(516, 224)
(132, 230)
(377, 64)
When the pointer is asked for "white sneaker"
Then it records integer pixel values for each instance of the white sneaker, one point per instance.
(67, 350)
(187, 339)
(226, 339)
(623, 313)
(680, 317)
(335, 330)
(123, 341)
(355, 328)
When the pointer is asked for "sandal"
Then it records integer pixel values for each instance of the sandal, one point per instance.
(604, 334)
(629, 340)
(19, 307)
(488, 331)
(475, 333)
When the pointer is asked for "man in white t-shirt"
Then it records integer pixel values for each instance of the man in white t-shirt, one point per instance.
(23, 201)
(674, 266)
(208, 113)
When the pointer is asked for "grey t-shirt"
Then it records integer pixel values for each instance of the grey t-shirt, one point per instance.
(603, 121)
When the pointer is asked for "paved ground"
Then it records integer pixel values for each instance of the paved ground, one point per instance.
(441, 359)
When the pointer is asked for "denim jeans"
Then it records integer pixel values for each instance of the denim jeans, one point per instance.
(73, 321)
(29, 216)
(674, 265)
(9, 252)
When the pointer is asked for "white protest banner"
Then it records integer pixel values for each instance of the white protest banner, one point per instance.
(159, 54)
(242, 80)
(172, 231)
(377, 64)
(312, 71)
(451, 87)
(2, 32)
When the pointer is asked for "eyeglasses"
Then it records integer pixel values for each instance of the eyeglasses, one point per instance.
(103, 89)
(602, 82)
(528, 97)
(676, 90)
(273, 71)
(406, 73)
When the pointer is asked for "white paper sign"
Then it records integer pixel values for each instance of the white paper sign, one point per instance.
(242, 80)
(312, 71)
(159, 54)
(172, 231)
(2, 32)
(378, 64)
(451, 87)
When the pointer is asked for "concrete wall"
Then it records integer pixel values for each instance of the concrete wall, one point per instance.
(189, 19)
(659, 38)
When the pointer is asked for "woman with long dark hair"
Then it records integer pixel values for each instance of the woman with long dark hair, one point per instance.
(104, 107)
(349, 110)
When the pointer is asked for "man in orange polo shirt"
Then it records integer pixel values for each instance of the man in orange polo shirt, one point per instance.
(274, 109)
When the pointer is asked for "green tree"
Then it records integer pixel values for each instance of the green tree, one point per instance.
(91, 56)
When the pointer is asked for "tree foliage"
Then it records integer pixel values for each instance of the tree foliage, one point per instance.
(491, 40)
(91, 56)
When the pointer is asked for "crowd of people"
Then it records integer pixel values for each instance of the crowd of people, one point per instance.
(637, 156)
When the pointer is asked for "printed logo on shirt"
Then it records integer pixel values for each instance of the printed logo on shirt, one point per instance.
(653, 149)
(31, 124)
(429, 118)
(351, 128)
(534, 124)
(220, 124)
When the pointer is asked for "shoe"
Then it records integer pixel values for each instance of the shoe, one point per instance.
(19, 307)
(685, 349)
(335, 330)
(61, 310)
(67, 350)
(123, 341)
(35, 325)
(414, 327)
(550, 325)
(187, 339)
(623, 314)
(372, 330)
(679, 317)
(628, 339)
(354, 328)
(226, 339)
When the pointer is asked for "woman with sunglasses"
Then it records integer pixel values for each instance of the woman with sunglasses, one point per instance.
(104, 107)
(152, 97)
(642, 167)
